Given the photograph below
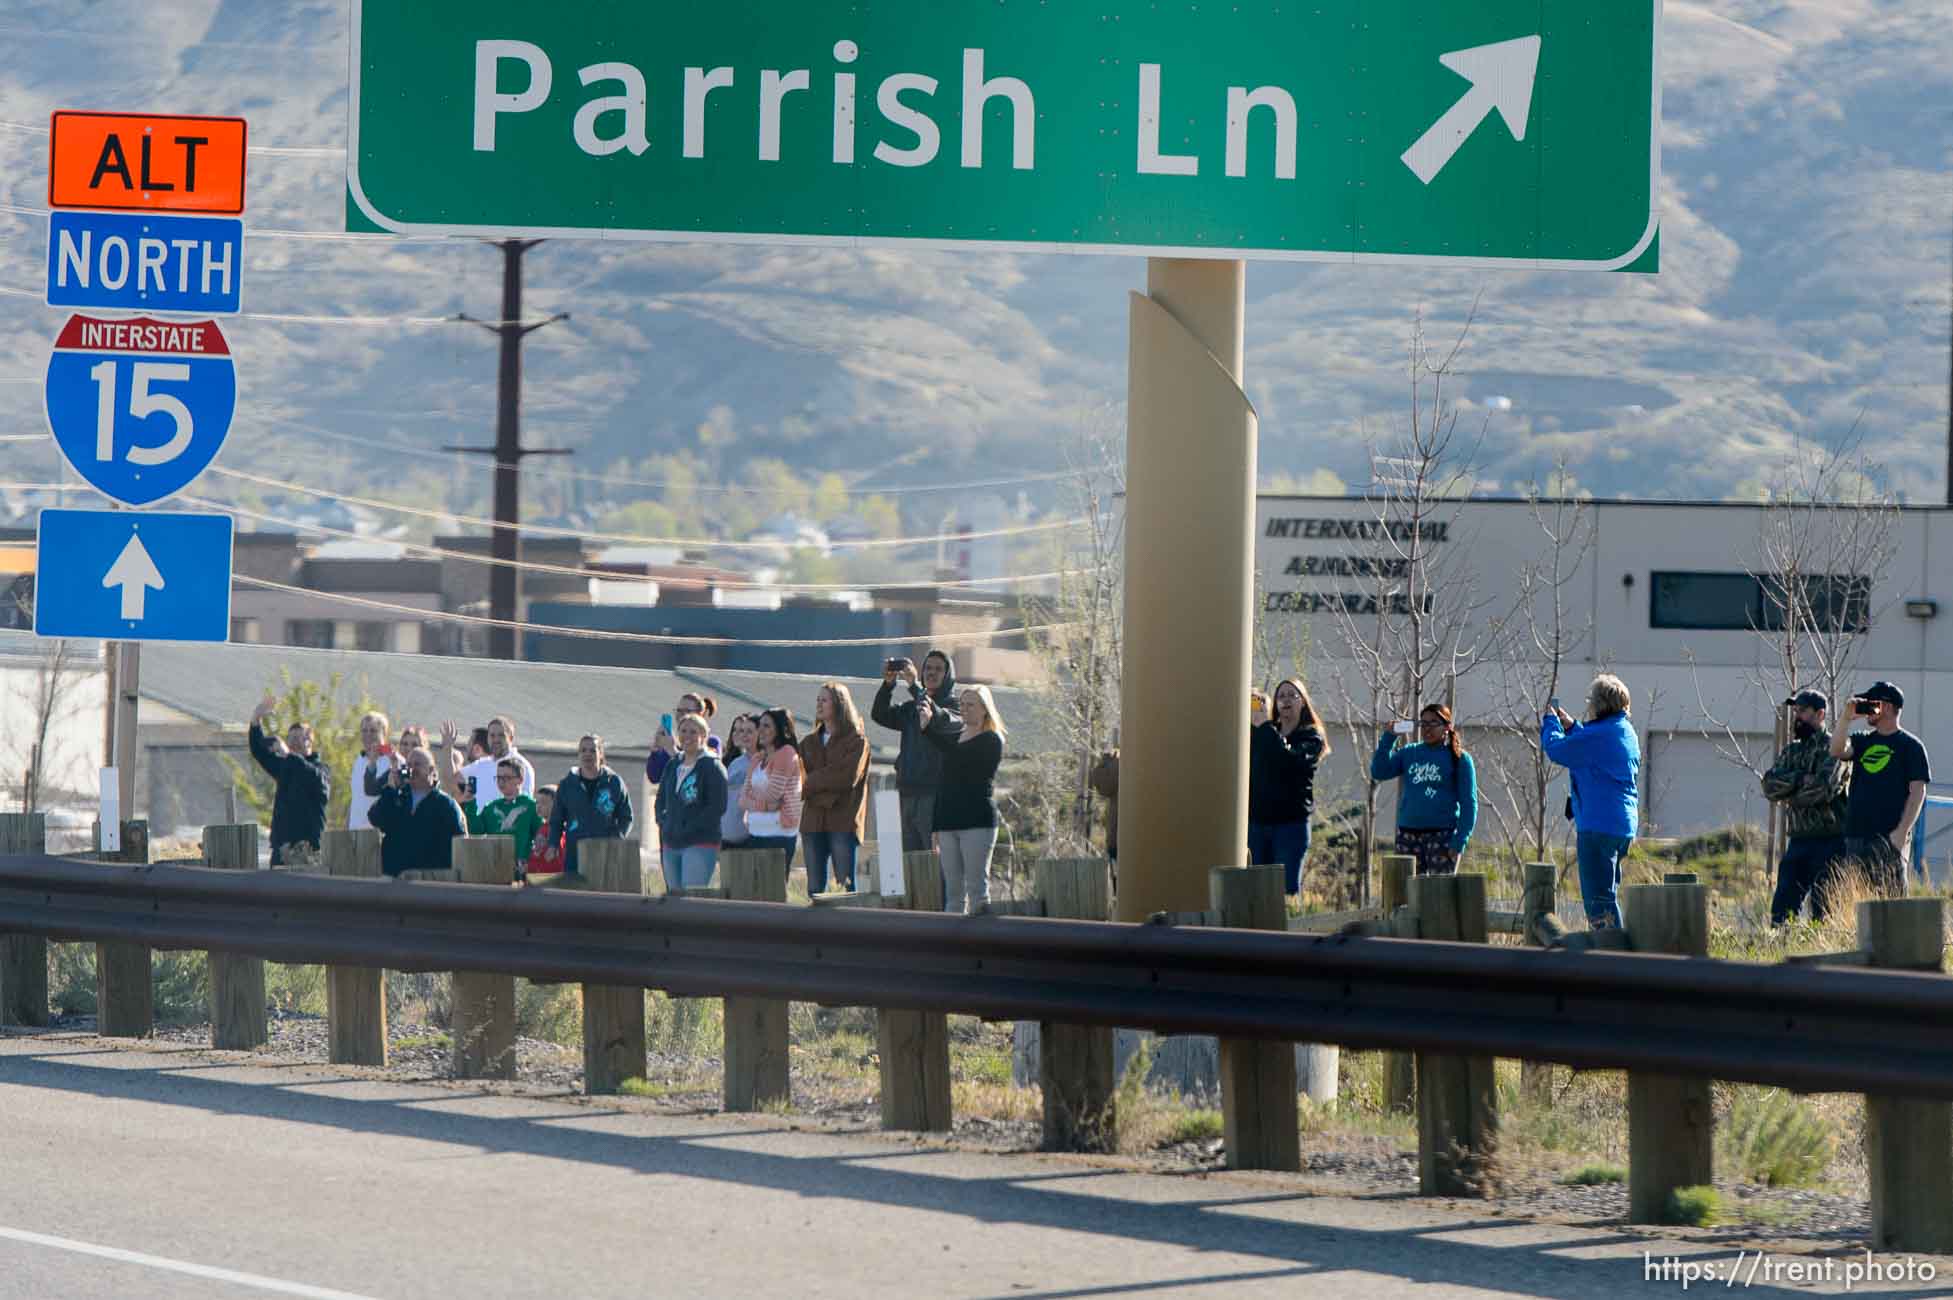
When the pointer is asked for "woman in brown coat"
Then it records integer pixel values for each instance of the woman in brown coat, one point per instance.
(834, 796)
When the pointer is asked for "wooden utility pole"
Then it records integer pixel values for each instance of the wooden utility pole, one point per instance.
(504, 578)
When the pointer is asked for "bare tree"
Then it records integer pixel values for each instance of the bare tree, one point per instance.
(1821, 554)
(1420, 628)
(47, 698)
(1540, 640)
(1082, 644)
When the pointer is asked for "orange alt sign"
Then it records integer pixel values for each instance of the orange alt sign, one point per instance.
(146, 162)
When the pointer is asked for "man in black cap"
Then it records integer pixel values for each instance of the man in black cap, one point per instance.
(1809, 784)
(1889, 773)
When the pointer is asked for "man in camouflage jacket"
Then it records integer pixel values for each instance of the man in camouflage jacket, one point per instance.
(1810, 786)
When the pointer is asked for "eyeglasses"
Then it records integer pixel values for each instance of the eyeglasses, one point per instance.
(1430, 722)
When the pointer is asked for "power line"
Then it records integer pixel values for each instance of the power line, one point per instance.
(631, 540)
(295, 319)
(653, 638)
(626, 480)
(572, 571)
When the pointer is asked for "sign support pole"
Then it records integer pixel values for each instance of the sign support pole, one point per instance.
(1189, 540)
(128, 687)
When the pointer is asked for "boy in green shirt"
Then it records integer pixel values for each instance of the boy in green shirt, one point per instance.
(514, 814)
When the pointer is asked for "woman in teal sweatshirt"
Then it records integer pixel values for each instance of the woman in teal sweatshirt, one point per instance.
(1438, 805)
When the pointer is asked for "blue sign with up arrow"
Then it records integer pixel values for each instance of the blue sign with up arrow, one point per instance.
(127, 576)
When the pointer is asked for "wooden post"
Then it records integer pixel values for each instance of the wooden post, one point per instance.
(125, 999)
(1399, 1068)
(1457, 1098)
(237, 1009)
(23, 958)
(613, 1017)
(356, 996)
(914, 1045)
(1541, 899)
(1258, 1107)
(1671, 1123)
(1908, 1143)
(483, 1018)
(1075, 1061)
(756, 1028)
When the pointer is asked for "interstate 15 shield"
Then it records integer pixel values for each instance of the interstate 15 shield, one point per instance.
(140, 407)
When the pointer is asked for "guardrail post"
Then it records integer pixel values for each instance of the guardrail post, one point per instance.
(1457, 1098)
(356, 996)
(125, 999)
(23, 958)
(914, 1045)
(1540, 899)
(756, 1028)
(1258, 1107)
(1908, 1143)
(613, 1018)
(1671, 1121)
(483, 1018)
(1075, 1061)
(1399, 1068)
(237, 1009)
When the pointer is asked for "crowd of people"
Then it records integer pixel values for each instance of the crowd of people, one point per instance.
(760, 786)
(1851, 798)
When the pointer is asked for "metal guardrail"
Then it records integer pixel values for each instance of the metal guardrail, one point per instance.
(1813, 1029)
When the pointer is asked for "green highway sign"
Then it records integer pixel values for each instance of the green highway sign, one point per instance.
(1495, 132)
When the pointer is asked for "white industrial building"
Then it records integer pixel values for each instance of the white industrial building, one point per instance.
(1669, 596)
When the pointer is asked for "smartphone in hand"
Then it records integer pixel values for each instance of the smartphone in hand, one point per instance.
(1403, 728)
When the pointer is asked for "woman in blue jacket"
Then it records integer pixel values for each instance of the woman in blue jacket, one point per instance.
(1438, 805)
(1602, 758)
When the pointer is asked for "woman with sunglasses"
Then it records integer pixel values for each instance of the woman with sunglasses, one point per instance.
(1438, 803)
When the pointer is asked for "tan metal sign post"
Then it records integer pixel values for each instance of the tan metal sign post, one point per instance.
(1190, 509)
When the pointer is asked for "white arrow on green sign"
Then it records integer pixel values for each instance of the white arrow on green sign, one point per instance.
(1473, 131)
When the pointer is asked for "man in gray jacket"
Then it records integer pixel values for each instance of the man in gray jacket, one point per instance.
(919, 765)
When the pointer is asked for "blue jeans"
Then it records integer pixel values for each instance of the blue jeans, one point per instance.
(1283, 842)
(786, 842)
(837, 847)
(1600, 875)
(689, 867)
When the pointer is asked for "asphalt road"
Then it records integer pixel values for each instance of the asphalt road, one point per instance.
(156, 1172)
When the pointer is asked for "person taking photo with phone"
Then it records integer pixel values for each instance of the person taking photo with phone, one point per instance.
(918, 765)
(1602, 758)
(1284, 752)
(966, 802)
(1889, 772)
(1437, 805)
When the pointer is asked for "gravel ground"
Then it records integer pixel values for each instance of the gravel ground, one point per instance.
(1346, 1164)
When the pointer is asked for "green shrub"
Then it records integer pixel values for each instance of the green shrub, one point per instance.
(1742, 841)
(1196, 1125)
(1693, 1207)
(1594, 1176)
(1774, 1138)
(688, 1027)
(550, 1012)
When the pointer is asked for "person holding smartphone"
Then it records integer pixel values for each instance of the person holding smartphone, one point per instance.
(1437, 805)
(1889, 772)
(1602, 757)
(1809, 785)
(1284, 752)
(919, 764)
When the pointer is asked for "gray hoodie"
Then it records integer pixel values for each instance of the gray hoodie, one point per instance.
(919, 766)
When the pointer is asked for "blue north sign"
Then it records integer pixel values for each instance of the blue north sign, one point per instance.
(145, 262)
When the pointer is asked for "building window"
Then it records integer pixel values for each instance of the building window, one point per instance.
(1743, 602)
(310, 633)
(374, 636)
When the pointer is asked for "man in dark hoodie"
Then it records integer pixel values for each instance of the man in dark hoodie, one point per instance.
(299, 780)
(417, 820)
(919, 765)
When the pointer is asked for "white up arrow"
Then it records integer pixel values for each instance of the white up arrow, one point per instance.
(135, 573)
(1502, 77)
